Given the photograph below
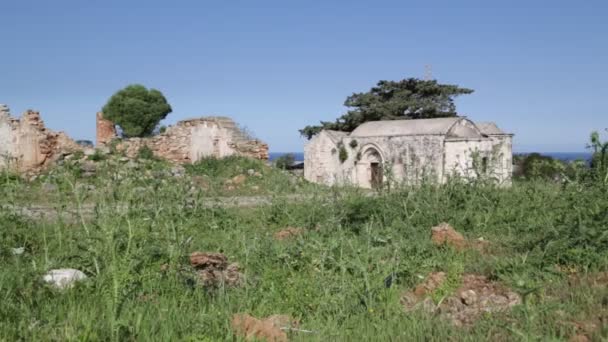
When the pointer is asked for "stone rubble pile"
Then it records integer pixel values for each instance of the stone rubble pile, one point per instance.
(214, 270)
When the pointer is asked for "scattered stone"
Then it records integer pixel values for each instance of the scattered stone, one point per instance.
(237, 180)
(64, 278)
(88, 168)
(476, 297)
(269, 329)
(288, 233)
(132, 164)
(178, 171)
(445, 234)
(480, 244)
(213, 270)
(579, 338)
(251, 172)
(18, 250)
(201, 182)
(428, 305)
(468, 297)
(409, 301)
(200, 260)
(433, 281)
(89, 151)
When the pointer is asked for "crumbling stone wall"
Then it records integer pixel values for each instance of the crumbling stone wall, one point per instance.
(26, 145)
(106, 130)
(190, 140)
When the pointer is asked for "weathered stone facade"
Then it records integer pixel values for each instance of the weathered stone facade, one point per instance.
(26, 145)
(190, 140)
(106, 130)
(408, 151)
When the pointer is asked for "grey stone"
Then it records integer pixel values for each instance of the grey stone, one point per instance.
(49, 187)
(88, 166)
(18, 250)
(63, 278)
(131, 164)
(468, 297)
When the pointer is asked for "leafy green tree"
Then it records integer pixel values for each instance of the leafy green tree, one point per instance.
(410, 98)
(137, 110)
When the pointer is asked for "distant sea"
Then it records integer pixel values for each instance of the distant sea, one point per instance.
(565, 156)
(274, 155)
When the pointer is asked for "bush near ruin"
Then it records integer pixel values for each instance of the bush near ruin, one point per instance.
(136, 110)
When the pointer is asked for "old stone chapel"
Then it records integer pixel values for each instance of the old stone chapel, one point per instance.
(408, 151)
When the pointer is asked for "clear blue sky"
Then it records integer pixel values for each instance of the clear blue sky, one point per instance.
(539, 68)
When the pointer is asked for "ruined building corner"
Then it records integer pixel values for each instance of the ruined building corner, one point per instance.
(26, 145)
(106, 130)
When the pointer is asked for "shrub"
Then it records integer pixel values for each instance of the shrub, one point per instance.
(145, 153)
(227, 167)
(535, 165)
(285, 161)
(343, 155)
(137, 110)
(78, 155)
(97, 156)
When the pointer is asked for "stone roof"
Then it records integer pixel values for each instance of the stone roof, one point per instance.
(335, 136)
(489, 128)
(439, 126)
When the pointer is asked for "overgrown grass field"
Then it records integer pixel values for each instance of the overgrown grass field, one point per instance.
(548, 243)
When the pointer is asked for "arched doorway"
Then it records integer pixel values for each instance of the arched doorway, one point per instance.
(373, 167)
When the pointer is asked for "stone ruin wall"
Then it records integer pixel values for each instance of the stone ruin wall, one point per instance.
(27, 146)
(189, 140)
(105, 131)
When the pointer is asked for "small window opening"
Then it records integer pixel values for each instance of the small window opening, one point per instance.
(484, 164)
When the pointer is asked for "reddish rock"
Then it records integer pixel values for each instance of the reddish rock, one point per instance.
(237, 180)
(288, 233)
(430, 284)
(268, 329)
(475, 297)
(202, 260)
(444, 234)
(106, 130)
(579, 338)
(213, 270)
